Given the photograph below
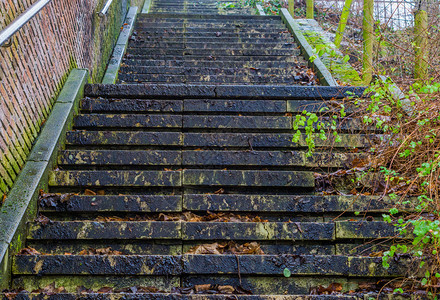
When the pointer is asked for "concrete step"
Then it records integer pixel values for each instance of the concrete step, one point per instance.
(214, 231)
(207, 79)
(207, 140)
(289, 63)
(292, 70)
(212, 45)
(212, 52)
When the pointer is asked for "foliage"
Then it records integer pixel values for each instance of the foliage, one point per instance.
(271, 7)
(407, 154)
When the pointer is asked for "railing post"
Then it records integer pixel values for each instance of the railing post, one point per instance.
(310, 9)
(421, 42)
(343, 22)
(291, 7)
(368, 35)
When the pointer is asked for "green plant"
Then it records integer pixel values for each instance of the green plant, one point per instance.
(407, 156)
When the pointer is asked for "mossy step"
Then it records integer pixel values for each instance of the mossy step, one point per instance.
(214, 39)
(202, 18)
(216, 64)
(142, 19)
(216, 203)
(185, 26)
(269, 159)
(130, 105)
(237, 122)
(199, 10)
(188, 231)
(235, 106)
(172, 265)
(255, 106)
(204, 158)
(235, 140)
(120, 157)
(213, 45)
(178, 91)
(284, 203)
(194, 59)
(268, 140)
(155, 35)
(114, 203)
(248, 178)
(202, 79)
(93, 230)
(124, 178)
(213, 52)
(127, 120)
(115, 178)
(132, 247)
(249, 72)
(80, 137)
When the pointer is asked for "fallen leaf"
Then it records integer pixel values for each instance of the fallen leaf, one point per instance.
(28, 251)
(88, 192)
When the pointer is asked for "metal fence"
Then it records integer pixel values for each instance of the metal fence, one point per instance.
(396, 14)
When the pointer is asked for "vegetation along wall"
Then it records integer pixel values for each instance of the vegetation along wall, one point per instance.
(64, 35)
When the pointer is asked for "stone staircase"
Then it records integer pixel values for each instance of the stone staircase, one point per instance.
(189, 185)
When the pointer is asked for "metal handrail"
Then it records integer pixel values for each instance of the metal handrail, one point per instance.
(9, 31)
(104, 10)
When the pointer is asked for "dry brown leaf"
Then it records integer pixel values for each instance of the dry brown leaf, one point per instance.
(226, 289)
(88, 192)
(28, 251)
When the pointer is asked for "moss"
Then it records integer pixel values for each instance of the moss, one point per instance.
(342, 71)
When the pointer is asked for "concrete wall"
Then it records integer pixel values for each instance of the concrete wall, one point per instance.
(65, 34)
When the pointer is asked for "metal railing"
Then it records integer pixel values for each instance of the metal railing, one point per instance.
(104, 10)
(8, 32)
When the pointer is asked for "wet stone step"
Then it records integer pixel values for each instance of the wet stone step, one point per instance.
(146, 40)
(235, 106)
(127, 120)
(213, 52)
(268, 158)
(226, 79)
(246, 72)
(215, 64)
(98, 265)
(238, 122)
(243, 231)
(283, 203)
(71, 284)
(212, 45)
(218, 59)
(208, 21)
(131, 105)
(120, 157)
(269, 265)
(196, 17)
(79, 137)
(158, 35)
(126, 247)
(115, 178)
(248, 178)
(267, 140)
(93, 230)
(267, 231)
(219, 26)
(113, 203)
(204, 158)
(365, 230)
(297, 265)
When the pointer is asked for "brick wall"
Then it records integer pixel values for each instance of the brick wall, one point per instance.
(65, 34)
